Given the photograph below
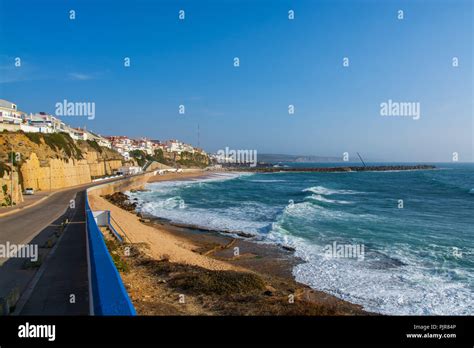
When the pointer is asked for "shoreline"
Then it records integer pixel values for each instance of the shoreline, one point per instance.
(200, 251)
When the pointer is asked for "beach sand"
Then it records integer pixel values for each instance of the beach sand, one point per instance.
(188, 174)
(162, 244)
(176, 270)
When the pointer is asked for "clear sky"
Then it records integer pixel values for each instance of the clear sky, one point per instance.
(282, 62)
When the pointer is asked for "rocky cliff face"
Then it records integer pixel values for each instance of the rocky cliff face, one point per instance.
(55, 174)
(6, 187)
(53, 161)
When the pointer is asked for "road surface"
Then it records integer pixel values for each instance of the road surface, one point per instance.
(46, 288)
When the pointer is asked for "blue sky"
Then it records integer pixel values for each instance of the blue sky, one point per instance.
(283, 62)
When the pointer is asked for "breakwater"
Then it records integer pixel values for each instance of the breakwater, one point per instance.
(339, 169)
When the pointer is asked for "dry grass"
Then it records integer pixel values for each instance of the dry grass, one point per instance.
(155, 287)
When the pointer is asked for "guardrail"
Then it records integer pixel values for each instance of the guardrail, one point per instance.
(107, 292)
(111, 219)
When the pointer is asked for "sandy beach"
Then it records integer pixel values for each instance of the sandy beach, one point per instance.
(176, 270)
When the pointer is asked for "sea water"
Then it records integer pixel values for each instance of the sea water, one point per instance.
(415, 229)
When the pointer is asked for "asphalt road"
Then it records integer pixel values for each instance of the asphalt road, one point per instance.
(65, 272)
(23, 226)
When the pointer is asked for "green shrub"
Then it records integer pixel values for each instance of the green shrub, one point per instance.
(95, 145)
(63, 141)
(6, 197)
(112, 247)
(119, 263)
(34, 137)
(4, 168)
(218, 282)
(57, 142)
(193, 159)
(139, 156)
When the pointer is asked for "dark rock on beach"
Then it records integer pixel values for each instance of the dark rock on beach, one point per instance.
(121, 200)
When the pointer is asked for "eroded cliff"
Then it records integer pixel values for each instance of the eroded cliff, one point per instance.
(51, 161)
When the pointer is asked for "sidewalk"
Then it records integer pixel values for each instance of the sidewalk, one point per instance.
(64, 276)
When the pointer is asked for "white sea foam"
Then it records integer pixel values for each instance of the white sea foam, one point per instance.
(327, 200)
(226, 219)
(168, 203)
(408, 289)
(275, 180)
(313, 213)
(321, 190)
(168, 187)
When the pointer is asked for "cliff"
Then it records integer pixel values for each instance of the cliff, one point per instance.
(6, 187)
(184, 159)
(51, 161)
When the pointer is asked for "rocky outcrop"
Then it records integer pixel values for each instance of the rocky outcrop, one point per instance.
(6, 189)
(121, 200)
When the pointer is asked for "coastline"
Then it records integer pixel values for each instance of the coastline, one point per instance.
(175, 249)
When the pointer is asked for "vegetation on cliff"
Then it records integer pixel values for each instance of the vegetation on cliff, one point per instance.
(7, 197)
(4, 169)
(142, 157)
(95, 145)
(53, 161)
(48, 146)
(57, 142)
(186, 159)
(189, 159)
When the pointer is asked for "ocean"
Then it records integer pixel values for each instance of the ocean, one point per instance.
(396, 242)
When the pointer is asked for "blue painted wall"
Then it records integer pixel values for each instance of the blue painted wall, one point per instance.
(108, 292)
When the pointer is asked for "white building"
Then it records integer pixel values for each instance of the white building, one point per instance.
(188, 148)
(30, 129)
(9, 113)
(100, 140)
(46, 123)
(174, 146)
(122, 144)
(132, 170)
(145, 145)
(78, 134)
(104, 142)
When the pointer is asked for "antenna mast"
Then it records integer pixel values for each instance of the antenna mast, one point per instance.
(198, 137)
(361, 160)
